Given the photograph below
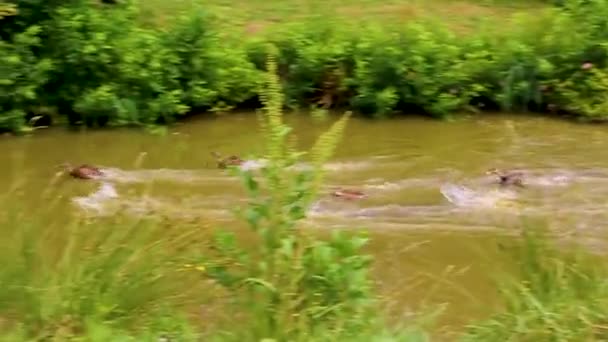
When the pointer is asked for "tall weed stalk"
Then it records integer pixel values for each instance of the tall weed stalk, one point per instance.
(291, 285)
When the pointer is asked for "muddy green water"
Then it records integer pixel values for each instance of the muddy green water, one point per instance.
(435, 219)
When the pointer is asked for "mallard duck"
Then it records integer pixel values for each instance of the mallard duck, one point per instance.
(348, 194)
(222, 163)
(83, 171)
(507, 177)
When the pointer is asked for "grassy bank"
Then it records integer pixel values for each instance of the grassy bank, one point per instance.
(100, 65)
(257, 17)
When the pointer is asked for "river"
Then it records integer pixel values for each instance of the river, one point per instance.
(436, 220)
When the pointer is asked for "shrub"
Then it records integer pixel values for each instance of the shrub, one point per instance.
(22, 76)
(211, 71)
(109, 69)
(313, 61)
(418, 67)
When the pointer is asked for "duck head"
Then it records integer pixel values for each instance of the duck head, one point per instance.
(234, 160)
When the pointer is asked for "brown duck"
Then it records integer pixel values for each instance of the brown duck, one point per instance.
(84, 171)
(507, 177)
(348, 194)
(223, 163)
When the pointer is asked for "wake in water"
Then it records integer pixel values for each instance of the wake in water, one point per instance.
(106, 202)
(461, 199)
(170, 175)
(206, 175)
(426, 202)
(177, 175)
(464, 197)
(564, 177)
(379, 184)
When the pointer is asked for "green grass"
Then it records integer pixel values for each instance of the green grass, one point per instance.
(62, 276)
(560, 294)
(258, 15)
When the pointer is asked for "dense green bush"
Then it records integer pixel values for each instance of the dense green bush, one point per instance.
(211, 71)
(96, 65)
(108, 70)
(22, 76)
(419, 68)
(106, 67)
(554, 62)
(113, 70)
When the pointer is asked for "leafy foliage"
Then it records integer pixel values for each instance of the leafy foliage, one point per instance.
(108, 70)
(210, 71)
(22, 77)
(425, 67)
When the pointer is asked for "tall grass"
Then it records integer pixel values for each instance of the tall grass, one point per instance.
(557, 295)
(82, 278)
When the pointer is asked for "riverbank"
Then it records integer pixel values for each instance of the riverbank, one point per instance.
(100, 67)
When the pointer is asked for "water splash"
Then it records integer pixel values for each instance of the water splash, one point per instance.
(464, 197)
(254, 164)
(97, 200)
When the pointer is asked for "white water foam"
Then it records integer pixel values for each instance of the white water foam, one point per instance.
(95, 201)
(464, 197)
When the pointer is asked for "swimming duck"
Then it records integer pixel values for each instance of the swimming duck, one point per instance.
(84, 171)
(348, 194)
(507, 177)
(222, 163)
